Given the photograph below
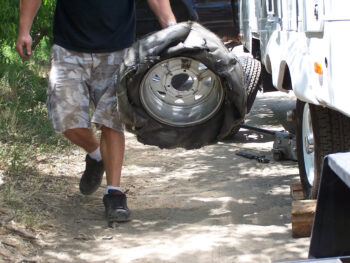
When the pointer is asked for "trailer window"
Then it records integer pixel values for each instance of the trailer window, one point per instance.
(270, 6)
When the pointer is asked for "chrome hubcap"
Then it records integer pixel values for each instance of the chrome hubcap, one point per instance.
(308, 145)
(181, 92)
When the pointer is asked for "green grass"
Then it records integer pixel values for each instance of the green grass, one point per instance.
(25, 131)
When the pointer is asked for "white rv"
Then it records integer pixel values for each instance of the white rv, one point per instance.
(304, 46)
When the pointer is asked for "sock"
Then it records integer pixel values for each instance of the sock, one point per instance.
(110, 187)
(96, 155)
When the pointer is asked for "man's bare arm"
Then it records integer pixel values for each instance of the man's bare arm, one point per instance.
(162, 9)
(28, 10)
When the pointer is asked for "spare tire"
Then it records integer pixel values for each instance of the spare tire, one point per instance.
(180, 87)
(252, 72)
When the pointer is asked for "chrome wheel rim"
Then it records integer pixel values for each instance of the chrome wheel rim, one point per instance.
(308, 145)
(181, 92)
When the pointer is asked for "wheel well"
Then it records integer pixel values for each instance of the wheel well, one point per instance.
(268, 64)
(256, 49)
(267, 85)
(287, 81)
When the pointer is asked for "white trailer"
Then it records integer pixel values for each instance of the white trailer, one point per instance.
(304, 46)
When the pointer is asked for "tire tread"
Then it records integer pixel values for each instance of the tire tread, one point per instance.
(331, 132)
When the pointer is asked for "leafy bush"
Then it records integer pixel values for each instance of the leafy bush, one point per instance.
(25, 131)
(23, 116)
(9, 17)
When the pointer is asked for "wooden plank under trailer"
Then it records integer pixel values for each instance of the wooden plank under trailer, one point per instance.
(330, 234)
(303, 212)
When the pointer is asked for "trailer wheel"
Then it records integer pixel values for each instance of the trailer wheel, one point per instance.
(320, 131)
(305, 147)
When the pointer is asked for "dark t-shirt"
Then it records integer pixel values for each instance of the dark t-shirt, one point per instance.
(94, 25)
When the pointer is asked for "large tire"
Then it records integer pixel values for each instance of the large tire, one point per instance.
(252, 76)
(330, 132)
(168, 136)
(252, 73)
(184, 42)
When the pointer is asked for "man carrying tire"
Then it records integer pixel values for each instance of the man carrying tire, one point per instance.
(90, 37)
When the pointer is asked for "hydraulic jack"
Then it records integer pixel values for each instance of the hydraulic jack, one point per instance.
(284, 146)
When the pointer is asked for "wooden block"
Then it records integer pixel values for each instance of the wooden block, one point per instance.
(303, 212)
(296, 191)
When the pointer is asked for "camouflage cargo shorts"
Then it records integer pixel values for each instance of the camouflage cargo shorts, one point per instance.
(78, 80)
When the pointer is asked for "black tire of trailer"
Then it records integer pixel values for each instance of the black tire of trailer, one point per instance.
(252, 74)
(331, 134)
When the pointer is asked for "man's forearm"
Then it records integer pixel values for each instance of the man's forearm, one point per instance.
(162, 9)
(28, 10)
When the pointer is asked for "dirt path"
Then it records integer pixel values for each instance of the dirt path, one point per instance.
(205, 205)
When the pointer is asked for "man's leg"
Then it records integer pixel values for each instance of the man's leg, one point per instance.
(93, 174)
(112, 150)
(112, 145)
(82, 137)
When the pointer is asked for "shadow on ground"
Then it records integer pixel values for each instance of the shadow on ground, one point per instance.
(205, 205)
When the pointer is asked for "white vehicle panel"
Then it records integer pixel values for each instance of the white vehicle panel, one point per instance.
(335, 92)
(337, 9)
(296, 35)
